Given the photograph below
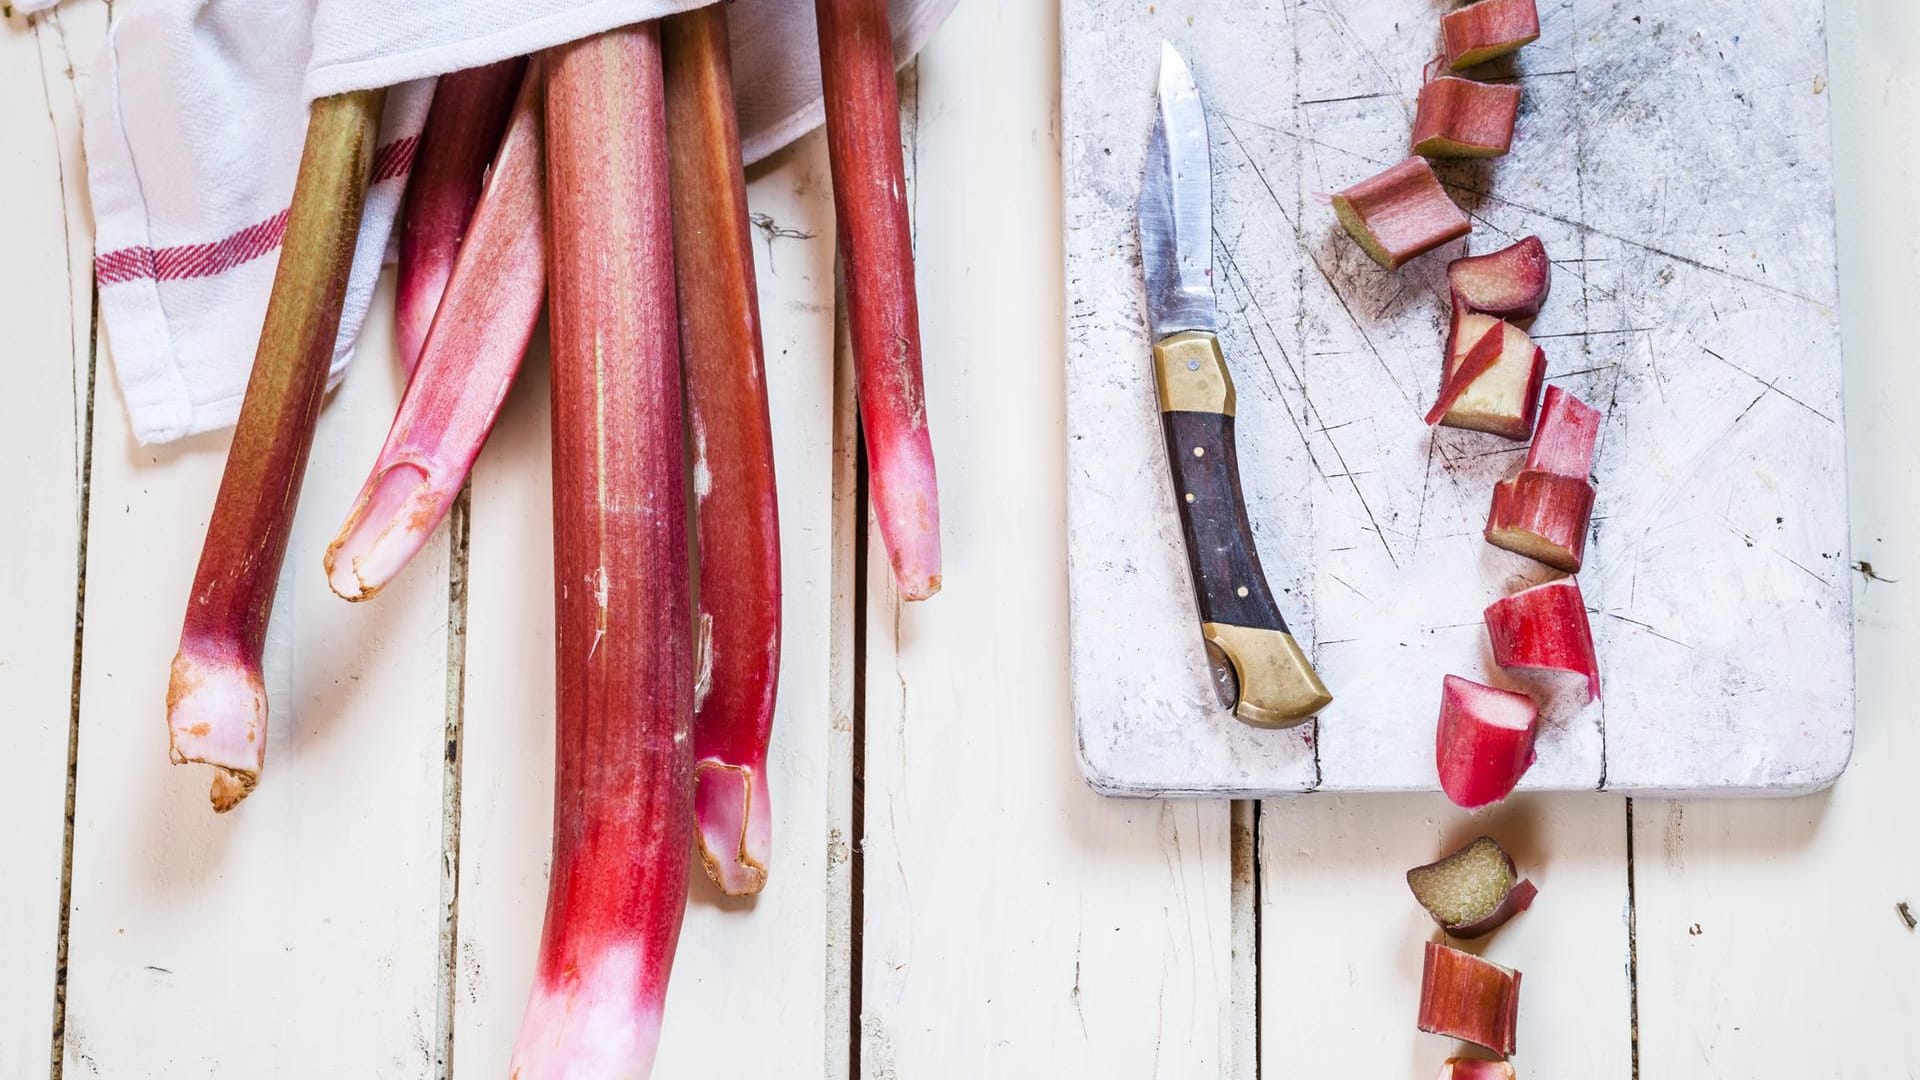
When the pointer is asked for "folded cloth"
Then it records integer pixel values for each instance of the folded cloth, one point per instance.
(196, 122)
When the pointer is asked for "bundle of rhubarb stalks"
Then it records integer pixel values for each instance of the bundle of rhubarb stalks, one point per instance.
(601, 181)
(1491, 377)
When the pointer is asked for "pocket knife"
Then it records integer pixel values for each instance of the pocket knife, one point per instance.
(1275, 684)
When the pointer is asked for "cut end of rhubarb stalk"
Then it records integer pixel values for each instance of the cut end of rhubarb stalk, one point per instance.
(1488, 30)
(217, 715)
(1476, 1069)
(736, 829)
(1465, 997)
(1545, 628)
(1484, 744)
(1544, 517)
(591, 1022)
(1569, 428)
(1511, 283)
(1478, 360)
(1502, 398)
(392, 520)
(905, 503)
(1461, 118)
(1400, 214)
(1472, 891)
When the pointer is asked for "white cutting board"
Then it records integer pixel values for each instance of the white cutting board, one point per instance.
(1673, 155)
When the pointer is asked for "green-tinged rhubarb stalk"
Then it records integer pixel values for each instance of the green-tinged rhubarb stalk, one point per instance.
(623, 792)
(736, 504)
(463, 130)
(216, 699)
(876, 250)
(471, 357)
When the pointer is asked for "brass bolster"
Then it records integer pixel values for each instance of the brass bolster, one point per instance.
(1278, 686)
(1191, 374)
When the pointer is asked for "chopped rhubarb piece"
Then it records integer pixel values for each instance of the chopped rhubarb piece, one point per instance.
(1465, 997)
(623, 613)
(464, 127)
(1511, 283)
(1543, 516)
(1484, 743)
(1478, 361)
(1400, 214)
(1563, 445)
(1546, 628)
(216, 700)
(737, 510)
(1501, 399)
(469, 361)
(1461, 118)
(1473, 890)
(1489, 29)
(1476, 1069)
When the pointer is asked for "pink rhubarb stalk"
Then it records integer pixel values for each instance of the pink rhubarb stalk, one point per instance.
(876, 250)
(623, 793)
(737, 512)
(471, 357)
(464, 126)
(216, 700)
(1511, 283)
(1543, 516)
(1465, 997)
(1487, 30)
(1569, 429)
(1461, 118)
(1400, 214)
(1501, 398)
(1484, 743)
(1545, 628)
(1476, 1069)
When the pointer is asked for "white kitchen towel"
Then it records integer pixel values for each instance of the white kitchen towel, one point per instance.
(196, 121)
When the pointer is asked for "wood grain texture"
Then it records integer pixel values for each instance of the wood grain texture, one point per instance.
(1696, 306)
(43, 431)
(1015, 923)
(1229, 586)
(764, 964)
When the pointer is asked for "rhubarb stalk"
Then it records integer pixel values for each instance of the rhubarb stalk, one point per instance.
(469, 362)
(1465, 997)
(1487, 30)
(1476, 1069)
(1484, 743)
(1545, 628)
(623, 793)
(1500, 397)
(736, 507)
(216, 699)
(1461, 118)
(1400, 214)
(463, 129)
(1472, 891)
(876, 249)
(1511, 283)
(1543, 516)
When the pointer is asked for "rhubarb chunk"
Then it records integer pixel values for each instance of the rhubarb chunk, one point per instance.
(1544, 517)
(1563, 445)
(1487, 30)
(1484, 743)
(1400, 214)
(1545, 628)
(1461, 118)
(1502, 398)
(1465, 997)
(1472, 891)
(1476, 1069)
(1511, 283)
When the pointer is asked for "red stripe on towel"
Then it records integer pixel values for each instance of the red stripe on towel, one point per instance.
(184, 261)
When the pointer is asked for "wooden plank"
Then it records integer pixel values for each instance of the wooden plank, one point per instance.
(301, 931)
(1770, 943)
(1015, 923)
(766, 965)
(1342, 938)
(1696, 279)
(47, 286)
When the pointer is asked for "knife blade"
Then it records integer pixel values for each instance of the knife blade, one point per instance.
(1275, 684)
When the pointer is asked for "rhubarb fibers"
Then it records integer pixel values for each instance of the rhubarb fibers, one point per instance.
(1467, 998)
(623, 792)
(216, 699)
(876, 251)
(1472, 891)
(736, 503)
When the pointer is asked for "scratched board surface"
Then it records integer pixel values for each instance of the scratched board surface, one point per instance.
(1673, 155)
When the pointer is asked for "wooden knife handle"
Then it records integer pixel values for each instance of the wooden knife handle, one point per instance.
(1238, 614)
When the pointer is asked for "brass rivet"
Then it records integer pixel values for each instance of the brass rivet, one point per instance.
(1242, 590)
(1189, 496)
(1199, 451)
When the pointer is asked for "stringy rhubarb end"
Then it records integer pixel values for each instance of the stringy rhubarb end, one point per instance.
(591, 1023)
(217, 715)
(906, 504)
(390, 523)
(731, 804)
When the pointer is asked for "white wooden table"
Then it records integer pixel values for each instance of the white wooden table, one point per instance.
(949, 899)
